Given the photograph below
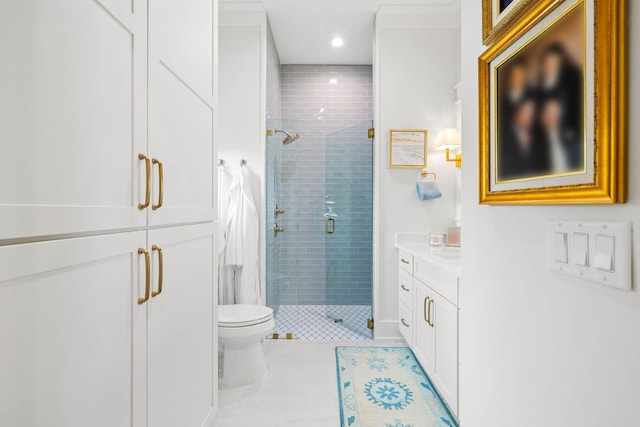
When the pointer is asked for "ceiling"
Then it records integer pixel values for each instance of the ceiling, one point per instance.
(303, 29)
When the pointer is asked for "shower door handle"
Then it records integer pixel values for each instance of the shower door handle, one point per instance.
(329, 225)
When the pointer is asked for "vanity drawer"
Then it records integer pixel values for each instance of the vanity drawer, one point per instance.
(406, 261)
(406, 323)
(443, 282)
(405, 288)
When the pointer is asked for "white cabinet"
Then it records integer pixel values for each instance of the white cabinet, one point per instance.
(77, 342)
(429, 321)
(72, 109)
(181, 110)
(424, 346)
(83, 97)
(71, 332)
(181, 328)
(106, 105)
(436, 342)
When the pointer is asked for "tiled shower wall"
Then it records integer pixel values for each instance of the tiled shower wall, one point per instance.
(273, 160)
(318, 101)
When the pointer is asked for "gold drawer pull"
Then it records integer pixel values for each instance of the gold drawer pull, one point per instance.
(147, 199)
(404, 322)
(404, 288)
(160, 185)
(160, 270)
(424, 309)
(430, 322)
(147, 279)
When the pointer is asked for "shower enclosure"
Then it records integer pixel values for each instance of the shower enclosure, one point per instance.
(320, 232)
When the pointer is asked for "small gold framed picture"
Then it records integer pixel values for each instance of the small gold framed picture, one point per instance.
(553, 108)
(408, 148)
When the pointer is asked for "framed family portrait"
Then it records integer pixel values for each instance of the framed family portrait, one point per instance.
(499, 15)
(553, 107)
(408, 148)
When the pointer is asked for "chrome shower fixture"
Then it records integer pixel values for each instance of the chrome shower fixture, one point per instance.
(289, 138)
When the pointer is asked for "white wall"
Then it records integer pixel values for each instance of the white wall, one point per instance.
(242, 109)
(415, 71)
(538, 350)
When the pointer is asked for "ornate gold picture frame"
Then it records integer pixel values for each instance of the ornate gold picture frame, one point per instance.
(498, 16)
(553, 107)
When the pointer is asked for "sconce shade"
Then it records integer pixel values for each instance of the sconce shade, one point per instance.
(448, 138)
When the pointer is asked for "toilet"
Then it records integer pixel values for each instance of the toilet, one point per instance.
(241, 331)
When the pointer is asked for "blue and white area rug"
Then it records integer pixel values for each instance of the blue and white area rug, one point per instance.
(386, 387)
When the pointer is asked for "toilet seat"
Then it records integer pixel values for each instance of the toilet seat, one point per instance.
(243, 315)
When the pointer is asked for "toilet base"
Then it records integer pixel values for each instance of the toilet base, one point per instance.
(242, 364)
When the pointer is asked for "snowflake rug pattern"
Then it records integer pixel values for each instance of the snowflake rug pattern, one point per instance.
(387, 387)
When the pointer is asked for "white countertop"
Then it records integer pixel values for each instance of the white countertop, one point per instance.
(447, 258)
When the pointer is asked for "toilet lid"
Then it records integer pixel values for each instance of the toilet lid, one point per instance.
(243, 314)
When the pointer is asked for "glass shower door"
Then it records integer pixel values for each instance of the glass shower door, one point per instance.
(282, 231)
(348, 220)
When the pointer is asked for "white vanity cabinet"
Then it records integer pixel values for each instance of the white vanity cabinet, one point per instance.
(406, 294)
(428, 295)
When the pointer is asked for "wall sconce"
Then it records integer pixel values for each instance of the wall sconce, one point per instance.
(449, 139)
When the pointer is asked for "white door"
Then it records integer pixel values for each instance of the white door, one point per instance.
(71, 82)
(445, 375)
(72, 336)
(181, 110)
(182, 333)
(425, 334)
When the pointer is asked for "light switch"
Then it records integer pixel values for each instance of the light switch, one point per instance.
(580, 250)
(604, 252)
(594, 251)
(560, 247)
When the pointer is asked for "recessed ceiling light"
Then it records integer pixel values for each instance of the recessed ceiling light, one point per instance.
(337, 42)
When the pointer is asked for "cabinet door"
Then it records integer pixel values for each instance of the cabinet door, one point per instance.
(72, 336)
(181, 109)
(445, 376)
(182, 334)
(73, 79)
(425, 334)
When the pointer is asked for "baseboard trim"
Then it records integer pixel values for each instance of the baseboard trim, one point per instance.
(386, 330)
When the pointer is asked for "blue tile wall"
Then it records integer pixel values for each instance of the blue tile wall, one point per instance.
(332, 161)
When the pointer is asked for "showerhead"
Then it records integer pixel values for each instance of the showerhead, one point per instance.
(289, 138)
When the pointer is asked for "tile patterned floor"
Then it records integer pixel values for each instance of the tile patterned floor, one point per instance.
(299, 391)
(311, 322)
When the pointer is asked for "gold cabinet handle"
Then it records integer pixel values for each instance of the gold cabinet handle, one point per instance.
(147, 200)
(404, 322)
(328, 221)
(431, 301)
(424, 309)
(147, 279)
(160, 185)
(160, 269)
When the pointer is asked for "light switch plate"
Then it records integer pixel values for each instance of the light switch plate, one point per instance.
(597, 251)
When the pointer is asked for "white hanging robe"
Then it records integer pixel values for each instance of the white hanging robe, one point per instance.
(243, 238)
(224, 185)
